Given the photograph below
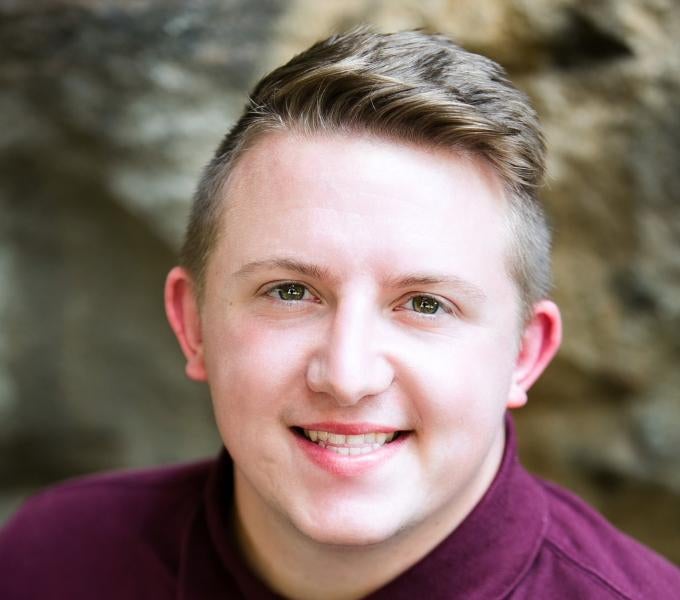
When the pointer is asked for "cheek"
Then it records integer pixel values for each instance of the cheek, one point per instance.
(248, 365)
(458, 382)
(257, 378)
(246, 376)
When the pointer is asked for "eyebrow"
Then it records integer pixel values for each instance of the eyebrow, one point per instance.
(288, 264)
(396, 282)
(450, 281)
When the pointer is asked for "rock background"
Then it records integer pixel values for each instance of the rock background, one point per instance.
(108, 110)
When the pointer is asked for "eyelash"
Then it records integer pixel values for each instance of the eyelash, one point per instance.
(442, 306)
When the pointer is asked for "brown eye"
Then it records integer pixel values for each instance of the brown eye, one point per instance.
(425, 304)
(291, 292)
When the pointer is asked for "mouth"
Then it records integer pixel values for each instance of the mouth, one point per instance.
(349, 444)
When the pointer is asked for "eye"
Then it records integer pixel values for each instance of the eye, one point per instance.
(424, 304)
(290, 291)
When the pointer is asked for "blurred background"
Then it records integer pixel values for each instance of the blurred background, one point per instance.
(108, 111)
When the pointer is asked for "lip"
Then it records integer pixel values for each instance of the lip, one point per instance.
(350, 466)
(349, 428)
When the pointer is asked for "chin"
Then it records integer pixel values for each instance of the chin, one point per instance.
(348, 538)
(348, 530)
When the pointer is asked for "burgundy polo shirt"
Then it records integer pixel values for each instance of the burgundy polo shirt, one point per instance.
(166, 533)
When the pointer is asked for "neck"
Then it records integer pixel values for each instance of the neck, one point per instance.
(296, 566)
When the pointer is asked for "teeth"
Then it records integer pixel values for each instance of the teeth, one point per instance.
(337, 438)
(350, 445)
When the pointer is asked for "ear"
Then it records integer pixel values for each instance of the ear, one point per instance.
(181, 308)
(541, 339)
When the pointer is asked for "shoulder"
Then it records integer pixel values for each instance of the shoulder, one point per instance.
(588, 557)
(99, 531)
(119, 502)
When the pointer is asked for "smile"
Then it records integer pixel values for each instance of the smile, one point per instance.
(349, 445)
(350, 449)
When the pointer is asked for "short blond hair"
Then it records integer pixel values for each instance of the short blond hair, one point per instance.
(408, 86)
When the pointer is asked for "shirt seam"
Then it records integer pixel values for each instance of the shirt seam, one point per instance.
(540, 538)
(593, 574)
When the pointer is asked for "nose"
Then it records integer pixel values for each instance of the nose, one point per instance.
(350, 363)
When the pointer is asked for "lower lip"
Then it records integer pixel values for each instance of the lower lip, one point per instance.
(349, 466)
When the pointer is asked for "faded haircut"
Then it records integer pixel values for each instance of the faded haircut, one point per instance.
(409, 86)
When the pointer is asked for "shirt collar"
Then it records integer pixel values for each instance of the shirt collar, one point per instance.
(485, 557)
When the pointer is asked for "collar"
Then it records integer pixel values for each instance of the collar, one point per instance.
(485, 557)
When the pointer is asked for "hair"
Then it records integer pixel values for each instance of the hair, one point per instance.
(408, 86)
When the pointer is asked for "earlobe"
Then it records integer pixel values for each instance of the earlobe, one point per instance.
(181, 308)
(540, 342)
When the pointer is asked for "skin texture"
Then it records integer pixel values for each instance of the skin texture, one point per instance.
(369, 227)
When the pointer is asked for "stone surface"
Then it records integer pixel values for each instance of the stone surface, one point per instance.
(109, 109)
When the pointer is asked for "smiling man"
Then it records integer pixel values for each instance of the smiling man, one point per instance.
(364, 287)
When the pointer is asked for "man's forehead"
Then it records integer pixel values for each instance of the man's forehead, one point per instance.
(324, 189)
(277, 160)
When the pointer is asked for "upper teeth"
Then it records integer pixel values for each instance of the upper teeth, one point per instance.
(339, 439)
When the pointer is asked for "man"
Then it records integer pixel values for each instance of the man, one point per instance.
(363, 286)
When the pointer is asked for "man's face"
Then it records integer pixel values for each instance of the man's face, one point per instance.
(359, 292)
